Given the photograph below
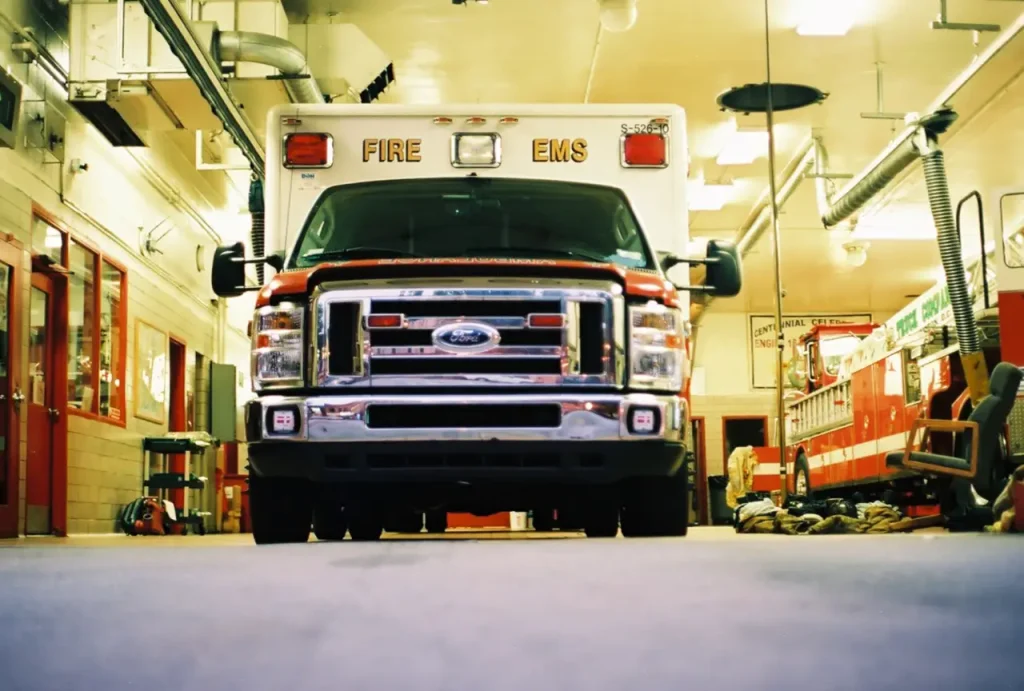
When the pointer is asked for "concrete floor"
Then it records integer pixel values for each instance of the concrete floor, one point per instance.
(713, 611)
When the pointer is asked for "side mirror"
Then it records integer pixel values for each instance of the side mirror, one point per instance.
(228, 270)
(724, 275)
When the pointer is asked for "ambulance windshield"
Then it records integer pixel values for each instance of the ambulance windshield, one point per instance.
(473, 217)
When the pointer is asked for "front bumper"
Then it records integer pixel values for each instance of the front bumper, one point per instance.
(592, 439)
(580, 417)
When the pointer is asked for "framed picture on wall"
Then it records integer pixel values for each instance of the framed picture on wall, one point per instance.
(151, 346)
(763, 342)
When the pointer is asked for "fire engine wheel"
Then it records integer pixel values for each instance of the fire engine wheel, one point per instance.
(656, 507)
(329, 521)
(365, 524)
(281, 508)
(802, 476)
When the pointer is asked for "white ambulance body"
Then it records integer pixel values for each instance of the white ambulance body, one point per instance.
(597, 144)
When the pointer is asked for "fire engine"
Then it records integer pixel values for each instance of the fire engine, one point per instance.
(471, 313)
(867, 386)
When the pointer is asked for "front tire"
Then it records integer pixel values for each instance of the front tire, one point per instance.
(330, 521)
(657, 507)
(281, 509)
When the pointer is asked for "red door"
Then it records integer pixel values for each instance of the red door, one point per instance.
(40, 409)
(10, 362)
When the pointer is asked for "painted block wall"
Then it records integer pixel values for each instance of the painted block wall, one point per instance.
(723, 361)
(104, 208)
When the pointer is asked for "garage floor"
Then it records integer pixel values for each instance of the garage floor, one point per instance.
(714, 611)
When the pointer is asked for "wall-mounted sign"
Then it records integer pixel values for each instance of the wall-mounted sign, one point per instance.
(10, 108)
(763, 345)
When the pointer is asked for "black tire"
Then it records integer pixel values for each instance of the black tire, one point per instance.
(802, 477)
(601, 515)
(281, 510)
(436, 522)
(410, 522)
(365, 525)
(657, 507)
(543, 520)
(330, 521)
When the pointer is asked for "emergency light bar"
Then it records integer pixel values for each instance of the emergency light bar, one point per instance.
(644, 150)
(476, 150)
(308, 150)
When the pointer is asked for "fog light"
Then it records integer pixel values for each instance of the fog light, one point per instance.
(284, 420)
(643, 420)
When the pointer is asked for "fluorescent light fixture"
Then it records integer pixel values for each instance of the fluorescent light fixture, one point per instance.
(826, 18)
(704, 197)
(743, 147)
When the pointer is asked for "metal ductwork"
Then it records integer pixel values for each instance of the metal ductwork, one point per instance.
(169, 19)
(916, 141)
(265, 49)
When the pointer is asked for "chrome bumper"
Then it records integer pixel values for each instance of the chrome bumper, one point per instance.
(584, 417)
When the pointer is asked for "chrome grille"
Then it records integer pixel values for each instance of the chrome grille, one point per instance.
(351, 349)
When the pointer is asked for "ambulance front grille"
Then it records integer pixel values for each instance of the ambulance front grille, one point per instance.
(586, 351)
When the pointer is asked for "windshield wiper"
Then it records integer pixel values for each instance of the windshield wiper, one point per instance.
(360, 252)
(569, 254)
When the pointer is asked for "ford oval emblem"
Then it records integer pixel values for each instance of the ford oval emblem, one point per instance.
(465, 337)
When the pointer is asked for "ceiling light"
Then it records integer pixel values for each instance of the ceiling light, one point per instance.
(826, 19)
(617, 15)
(704, 197)
(856, 253)
(743, 148)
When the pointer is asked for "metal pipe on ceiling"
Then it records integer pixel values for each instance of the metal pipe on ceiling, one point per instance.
(266, 49)
(901, 152)
(169, 19)
(885, 168)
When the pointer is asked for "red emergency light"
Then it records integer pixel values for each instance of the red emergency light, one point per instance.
(644, 150)
(384, 321)
(546, 321)
(308, 150)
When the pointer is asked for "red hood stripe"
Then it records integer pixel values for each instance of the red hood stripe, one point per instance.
(635, 283)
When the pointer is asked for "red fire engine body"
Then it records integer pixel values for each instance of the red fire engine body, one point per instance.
(867, 383)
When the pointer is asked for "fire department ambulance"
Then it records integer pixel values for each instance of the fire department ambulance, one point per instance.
(867, 384)
(471, 313)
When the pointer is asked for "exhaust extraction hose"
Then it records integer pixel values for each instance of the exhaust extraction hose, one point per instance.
(257, 234)
(971, 355)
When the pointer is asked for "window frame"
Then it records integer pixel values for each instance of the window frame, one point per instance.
(97, 304)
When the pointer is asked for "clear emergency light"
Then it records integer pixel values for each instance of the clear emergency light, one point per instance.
(644, 150)
(308, 150)
(476, 150)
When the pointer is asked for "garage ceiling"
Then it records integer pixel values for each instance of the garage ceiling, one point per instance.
(687, 52)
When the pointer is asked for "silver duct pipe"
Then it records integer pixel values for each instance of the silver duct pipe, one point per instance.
(901, 152)
(266, 49)
(885, 168)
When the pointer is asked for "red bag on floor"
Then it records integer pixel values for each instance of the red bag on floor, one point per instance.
(151, 519)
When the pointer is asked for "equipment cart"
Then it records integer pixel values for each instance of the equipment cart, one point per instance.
(156, 451)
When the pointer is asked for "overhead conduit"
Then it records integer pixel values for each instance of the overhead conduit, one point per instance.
(918, 140)
(235, 46)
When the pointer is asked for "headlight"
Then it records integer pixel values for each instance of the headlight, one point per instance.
(657, 349)
(277, 346)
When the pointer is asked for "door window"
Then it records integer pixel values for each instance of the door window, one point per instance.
(38, 362)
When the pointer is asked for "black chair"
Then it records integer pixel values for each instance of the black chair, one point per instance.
(978, 453)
